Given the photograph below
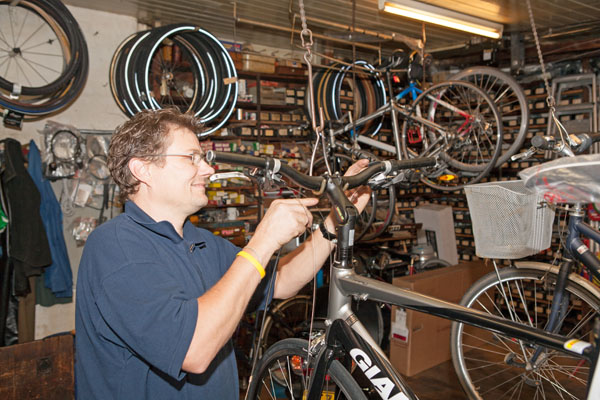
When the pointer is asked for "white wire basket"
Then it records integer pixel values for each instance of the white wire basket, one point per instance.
(509, 221)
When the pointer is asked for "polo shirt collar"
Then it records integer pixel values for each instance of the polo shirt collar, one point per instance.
(162, 228)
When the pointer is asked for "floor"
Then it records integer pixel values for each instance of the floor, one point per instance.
(439, 382)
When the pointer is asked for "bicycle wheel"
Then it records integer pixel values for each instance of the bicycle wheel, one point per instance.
(45, 61)
(283, 373)
(459, 125)
(510, 101)
(34, 50)
(490, 366)
(287, 319)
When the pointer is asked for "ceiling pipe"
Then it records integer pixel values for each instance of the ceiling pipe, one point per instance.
(316, 35)
(414, 44)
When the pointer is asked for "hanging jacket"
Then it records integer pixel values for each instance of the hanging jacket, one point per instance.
(28, 246)
(58, 277)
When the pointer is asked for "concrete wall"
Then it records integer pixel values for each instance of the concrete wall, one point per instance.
(94, 109)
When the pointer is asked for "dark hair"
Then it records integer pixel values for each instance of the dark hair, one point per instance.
(147, 132)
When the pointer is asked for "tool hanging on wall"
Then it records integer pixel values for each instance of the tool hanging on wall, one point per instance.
(65, 149)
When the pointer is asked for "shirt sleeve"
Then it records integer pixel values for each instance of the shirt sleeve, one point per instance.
(146, 308)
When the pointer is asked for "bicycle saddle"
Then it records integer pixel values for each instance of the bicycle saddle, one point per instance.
(566, 180)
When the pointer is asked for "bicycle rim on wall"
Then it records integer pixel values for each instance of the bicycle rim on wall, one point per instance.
(43, 57)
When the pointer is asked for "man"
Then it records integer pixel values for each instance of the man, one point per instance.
(157, 298)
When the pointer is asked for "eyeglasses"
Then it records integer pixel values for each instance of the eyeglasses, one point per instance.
(196, 157)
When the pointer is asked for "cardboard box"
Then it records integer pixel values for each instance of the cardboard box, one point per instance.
(269, 95)
(428, 340)
(256, 63)
(438, 230)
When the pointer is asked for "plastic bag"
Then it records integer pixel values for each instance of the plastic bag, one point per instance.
(566, 180)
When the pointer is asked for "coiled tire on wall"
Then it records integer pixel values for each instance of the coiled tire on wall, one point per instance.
(178, 65)
(43, 57)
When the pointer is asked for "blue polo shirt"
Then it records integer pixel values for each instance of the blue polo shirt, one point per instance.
(136, 310)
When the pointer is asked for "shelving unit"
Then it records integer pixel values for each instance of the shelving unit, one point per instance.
(270, 106)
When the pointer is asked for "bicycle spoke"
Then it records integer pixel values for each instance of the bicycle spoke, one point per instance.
(12, 30)
(7, 66)
(29, 62)
(500, 384)
(23, 72)
(22, 25)
(270, 390)
(3, 39)
(43, 24)
(584, 321)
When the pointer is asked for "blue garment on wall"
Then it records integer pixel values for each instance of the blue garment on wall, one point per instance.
(58, 277)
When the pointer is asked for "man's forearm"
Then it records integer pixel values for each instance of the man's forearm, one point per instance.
(299, 266)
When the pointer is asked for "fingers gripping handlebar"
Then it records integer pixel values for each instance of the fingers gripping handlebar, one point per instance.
(317, 183)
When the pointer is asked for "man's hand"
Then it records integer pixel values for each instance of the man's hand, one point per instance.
(284, 220)
(359, 196)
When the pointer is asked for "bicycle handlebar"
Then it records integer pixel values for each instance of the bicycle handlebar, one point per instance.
(580, 142)
(317, 183)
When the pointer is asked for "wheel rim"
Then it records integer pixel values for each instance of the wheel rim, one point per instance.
(510, 101)
(496, 365)
(471, 137)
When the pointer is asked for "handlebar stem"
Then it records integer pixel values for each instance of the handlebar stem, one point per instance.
(345, 215)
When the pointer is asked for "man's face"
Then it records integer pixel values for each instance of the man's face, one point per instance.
(176, 182)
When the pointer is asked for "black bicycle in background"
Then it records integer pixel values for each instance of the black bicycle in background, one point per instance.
(344, 361)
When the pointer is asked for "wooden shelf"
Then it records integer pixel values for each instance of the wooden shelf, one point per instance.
(289, 78)
(268, 107)
(254, 122)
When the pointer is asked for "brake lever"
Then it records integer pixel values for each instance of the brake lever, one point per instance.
(525, 154)
(381, 181)
(267, 181)
(227, 175)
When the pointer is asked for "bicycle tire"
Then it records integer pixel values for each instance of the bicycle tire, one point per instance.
(63, 90)
(467, 150)
(60, 25)
(285, 361)
(498, 361)
(510, 101)
(286, 319)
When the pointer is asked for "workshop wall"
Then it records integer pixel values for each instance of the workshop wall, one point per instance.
(94, 109)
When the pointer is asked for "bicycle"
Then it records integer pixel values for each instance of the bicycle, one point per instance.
(345, 361)
(553, 297)
(452, 121)
(462, 130)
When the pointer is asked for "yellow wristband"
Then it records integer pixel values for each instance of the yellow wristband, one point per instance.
(254, 262)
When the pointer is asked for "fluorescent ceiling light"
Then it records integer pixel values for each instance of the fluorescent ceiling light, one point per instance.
(441, 16)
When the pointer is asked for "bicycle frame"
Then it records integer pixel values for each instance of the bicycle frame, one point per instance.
(575, 245)
(346, 333)
(345, 284)
(393, 108)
